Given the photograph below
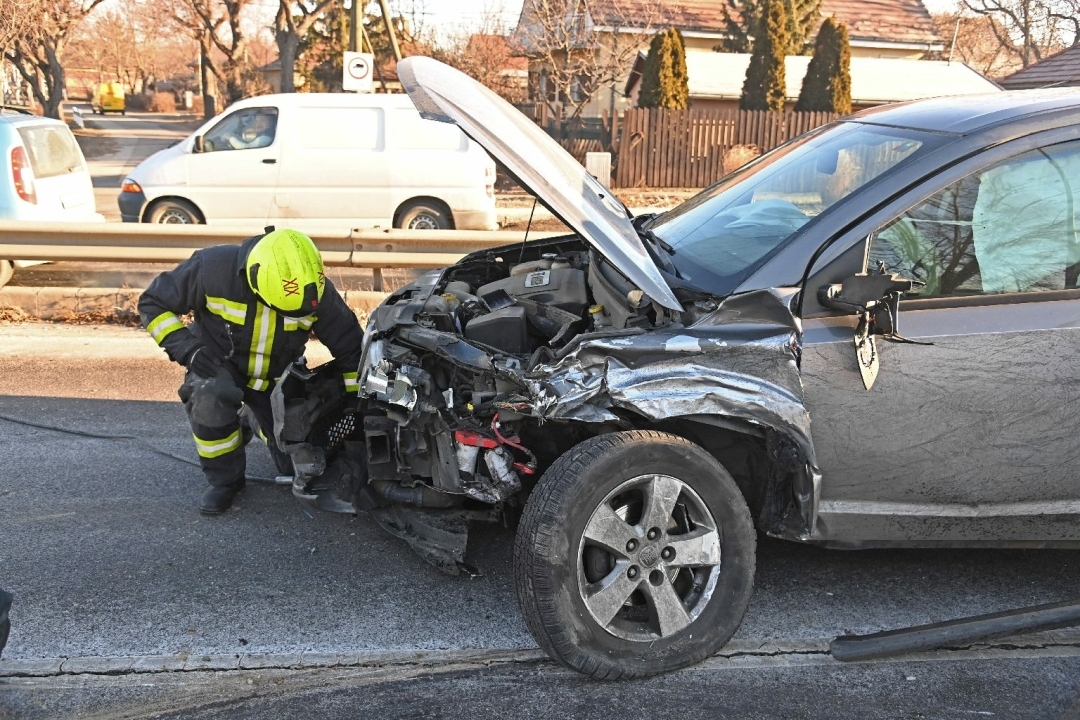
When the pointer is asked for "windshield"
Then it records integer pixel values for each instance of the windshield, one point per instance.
(727, 231)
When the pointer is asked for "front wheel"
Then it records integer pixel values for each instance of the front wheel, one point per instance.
(423, 216)
(174, 212)
(634, 556)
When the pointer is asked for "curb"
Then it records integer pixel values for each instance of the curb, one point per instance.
(99, 304)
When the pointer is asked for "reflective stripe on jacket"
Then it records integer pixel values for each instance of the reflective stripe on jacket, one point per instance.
(258, 342)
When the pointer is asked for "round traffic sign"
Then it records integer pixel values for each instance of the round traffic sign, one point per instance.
(359, 68)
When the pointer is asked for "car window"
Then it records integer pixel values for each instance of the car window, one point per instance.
(339, 128)
(1011, 227)
(243, 130)
(52, 150)
(412, 132)
(723, 234)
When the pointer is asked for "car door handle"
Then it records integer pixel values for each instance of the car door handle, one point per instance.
(269, 161)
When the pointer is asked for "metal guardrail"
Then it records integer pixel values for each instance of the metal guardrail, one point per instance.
(136, 243)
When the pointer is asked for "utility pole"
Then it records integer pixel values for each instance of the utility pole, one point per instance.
(390, 30)
(354, 27)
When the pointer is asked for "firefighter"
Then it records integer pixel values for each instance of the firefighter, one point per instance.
(254, 306)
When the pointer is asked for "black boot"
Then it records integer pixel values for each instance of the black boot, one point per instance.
(218, 498)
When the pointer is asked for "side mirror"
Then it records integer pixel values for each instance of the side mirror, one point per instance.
(876, 300)
(197, 146)
(860, 293)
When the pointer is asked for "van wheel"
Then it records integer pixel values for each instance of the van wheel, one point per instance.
(423, 216)
(175, 212)
(634, 556)
(6, 271)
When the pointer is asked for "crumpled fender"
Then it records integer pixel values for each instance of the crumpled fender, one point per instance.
(740, 362)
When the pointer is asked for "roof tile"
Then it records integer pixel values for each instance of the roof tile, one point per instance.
(1062, 69)
(905, 21)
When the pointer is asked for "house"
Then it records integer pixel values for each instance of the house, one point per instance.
(877, 29)
(1060, 70)
(716, 79)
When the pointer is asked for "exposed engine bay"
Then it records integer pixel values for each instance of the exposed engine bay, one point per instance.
(474, 379)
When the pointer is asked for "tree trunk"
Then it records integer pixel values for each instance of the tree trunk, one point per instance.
(287, 43)
(206, 78)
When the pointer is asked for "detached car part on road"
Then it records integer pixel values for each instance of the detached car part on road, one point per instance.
(643, 389)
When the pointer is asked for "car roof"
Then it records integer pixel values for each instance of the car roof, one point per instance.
(15, 117)
(963, 115)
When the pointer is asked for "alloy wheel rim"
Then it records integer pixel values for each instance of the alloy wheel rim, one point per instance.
(648, 559)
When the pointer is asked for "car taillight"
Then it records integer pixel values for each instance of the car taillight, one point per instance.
(23, 175)
(130, 186)
(490, 190)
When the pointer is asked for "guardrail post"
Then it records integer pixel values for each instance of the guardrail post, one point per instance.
(376, 279)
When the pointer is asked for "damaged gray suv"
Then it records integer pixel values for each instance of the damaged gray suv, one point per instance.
(648, 393)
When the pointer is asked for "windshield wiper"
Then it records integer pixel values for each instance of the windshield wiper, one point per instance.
(655, 241)
(660, 242)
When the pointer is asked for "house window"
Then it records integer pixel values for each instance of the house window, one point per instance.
(579, 88)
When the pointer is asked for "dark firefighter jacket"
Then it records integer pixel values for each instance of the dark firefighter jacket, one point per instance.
(258, 342)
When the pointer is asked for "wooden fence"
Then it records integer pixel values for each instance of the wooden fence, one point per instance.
(686, 148)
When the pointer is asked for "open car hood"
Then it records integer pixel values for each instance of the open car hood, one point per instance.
(538, 163)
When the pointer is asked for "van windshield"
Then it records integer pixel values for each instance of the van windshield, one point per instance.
(52, 150)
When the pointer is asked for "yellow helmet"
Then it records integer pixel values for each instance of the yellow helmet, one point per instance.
(285, 271)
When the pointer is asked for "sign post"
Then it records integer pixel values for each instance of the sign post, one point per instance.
(357, 70)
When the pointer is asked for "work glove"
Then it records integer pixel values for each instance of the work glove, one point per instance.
(204, 361)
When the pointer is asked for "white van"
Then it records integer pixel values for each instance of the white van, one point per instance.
(339, 160)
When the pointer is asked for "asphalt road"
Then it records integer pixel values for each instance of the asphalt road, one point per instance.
(101, 542)
(114, 144)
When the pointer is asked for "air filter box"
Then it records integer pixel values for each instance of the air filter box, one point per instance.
(505, 329)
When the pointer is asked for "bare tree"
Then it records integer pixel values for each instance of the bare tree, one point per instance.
(292, 22)
(485, 53)
(131, 41)
(976, 44)
(16, 18)
(576, 53)
(222, 29)
(38, 49)
(1030, 29)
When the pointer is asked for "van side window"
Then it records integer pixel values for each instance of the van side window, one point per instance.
(1013, 227)
(338, 128)
(409, 131)
(243, 130)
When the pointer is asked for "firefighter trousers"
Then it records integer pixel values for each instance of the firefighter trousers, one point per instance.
(223, 418)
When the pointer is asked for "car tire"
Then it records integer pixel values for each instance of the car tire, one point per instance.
(423, 216)
(175, 212)
(7, 269)
(557, 563)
